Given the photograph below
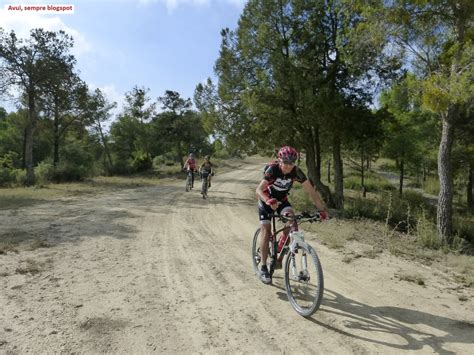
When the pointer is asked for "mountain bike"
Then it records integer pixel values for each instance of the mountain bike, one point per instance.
(189, 180)
(304, 282)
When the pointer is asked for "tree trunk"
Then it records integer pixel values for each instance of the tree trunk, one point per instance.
(338, 173)
(402, 176)
(106, 148)
(56, 137)
(423, 179)
(317, 151)
(445, 198)
(30, 173)
(23, 160)
(311, 165)
(470, 177)
(362, 177)
(329, 171)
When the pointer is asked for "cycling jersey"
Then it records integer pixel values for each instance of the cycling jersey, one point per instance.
(206, 168)
(190, 164)
(279, 184)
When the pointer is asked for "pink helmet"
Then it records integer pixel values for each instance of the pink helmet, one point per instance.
(287, 154)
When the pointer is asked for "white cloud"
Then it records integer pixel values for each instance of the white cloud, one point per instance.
(172, 5)
(239, 3)
(22, 23)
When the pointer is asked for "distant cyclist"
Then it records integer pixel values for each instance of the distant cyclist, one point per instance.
(207, 168)
(190, 165)
(272, 193)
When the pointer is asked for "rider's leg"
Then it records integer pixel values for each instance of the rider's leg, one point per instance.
(192, 178)
(290, 225)
(265, 231)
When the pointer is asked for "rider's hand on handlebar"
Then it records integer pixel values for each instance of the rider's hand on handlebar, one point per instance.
(324, 216)
(273, 203)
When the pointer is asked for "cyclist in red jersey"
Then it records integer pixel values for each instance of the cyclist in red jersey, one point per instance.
(190, 165)
(272, 193)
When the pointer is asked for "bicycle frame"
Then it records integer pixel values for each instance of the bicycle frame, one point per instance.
(297, 239)
(278, 255)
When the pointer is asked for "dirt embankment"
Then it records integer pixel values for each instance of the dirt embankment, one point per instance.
(156, 269)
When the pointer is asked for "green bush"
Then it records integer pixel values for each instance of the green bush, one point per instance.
(19, 176)
(76, 162)
(400, 213)
(222, 154)
(164, 159)
(44, 173)
(426, 232)
(464, 227)
(141, 162)
(5, 176)
(364, 208)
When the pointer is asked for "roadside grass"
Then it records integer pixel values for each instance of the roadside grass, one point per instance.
(17, 197)
(372, 183)
(431, 185)
(415, 278)
(385, 164)
(16, 240)
(404, 227)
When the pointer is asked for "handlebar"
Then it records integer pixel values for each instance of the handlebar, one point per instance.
(304, 216)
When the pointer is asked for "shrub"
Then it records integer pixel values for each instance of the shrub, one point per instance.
(19, 176)
(164, 159)
(44, 173)
(5, 176)
(141, 162)
(426, 232)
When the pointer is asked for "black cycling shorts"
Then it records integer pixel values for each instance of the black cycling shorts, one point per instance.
(264, 210)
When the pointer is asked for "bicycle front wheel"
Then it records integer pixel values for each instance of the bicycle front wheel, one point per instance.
(204, 187)
(256, 253)
(304, 280)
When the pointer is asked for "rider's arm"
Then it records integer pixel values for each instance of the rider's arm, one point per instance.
(262, 190)
(308, 187)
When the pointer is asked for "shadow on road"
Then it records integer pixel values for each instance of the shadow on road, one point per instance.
(364, 322)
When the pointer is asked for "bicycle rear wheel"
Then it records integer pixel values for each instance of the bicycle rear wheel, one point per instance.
(304, 280)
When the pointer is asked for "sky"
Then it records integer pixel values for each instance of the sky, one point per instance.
(156, 44)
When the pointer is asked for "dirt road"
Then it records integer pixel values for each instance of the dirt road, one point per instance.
(156, 269)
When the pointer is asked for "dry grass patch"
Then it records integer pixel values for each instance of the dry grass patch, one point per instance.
(16, 240)
(415, 278)
(13, 198)
(6, 247)
(31, 266)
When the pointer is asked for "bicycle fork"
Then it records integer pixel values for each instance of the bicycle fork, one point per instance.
(303, 274)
